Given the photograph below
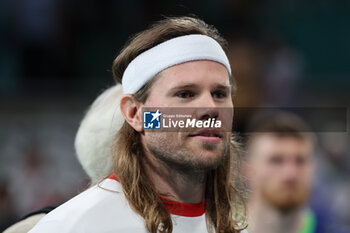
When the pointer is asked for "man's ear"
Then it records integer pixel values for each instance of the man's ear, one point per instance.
(131, 109)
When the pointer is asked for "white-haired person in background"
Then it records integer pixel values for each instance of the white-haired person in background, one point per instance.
(96, 133)
(92, 145)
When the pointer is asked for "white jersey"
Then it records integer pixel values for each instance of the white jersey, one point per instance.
(103, 208)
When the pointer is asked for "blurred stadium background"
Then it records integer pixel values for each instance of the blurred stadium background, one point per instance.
(55, 59)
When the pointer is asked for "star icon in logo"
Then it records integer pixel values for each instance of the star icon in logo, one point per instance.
(156, 115)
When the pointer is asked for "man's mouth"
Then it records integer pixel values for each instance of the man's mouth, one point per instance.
(208, 135)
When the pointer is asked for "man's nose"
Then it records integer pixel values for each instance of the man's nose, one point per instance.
(206, 100)
(207, 107)
(291, 170)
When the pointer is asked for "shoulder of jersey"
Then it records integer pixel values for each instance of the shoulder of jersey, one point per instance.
(98, 209)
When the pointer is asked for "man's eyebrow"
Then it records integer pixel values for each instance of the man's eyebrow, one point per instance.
(184, 85)
(222, 86)
(192, 85)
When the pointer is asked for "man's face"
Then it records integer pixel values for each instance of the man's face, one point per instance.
(281, 170)
(195, 84)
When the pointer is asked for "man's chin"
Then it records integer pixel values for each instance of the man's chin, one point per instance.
(287, 202)
(210, 155)
(288, 207)
(207, 162)
(206, 148)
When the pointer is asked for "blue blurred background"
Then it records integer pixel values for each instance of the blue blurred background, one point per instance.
(56, 56)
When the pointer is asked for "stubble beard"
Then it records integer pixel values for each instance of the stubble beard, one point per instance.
(184, 160)
(287, 202)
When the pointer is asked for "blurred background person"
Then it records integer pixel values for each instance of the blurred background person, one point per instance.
(280, 169)
(93, 147)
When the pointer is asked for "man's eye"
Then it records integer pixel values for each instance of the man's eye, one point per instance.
(219, 94)
(276, 160)
(301, 160)
(185, 94)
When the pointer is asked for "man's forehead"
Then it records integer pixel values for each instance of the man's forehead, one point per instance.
(265, 144)
(195, 72)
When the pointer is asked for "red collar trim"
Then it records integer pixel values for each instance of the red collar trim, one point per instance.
(184, 209)
(178, 208)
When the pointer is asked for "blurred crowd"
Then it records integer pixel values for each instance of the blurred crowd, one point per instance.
(56, 56)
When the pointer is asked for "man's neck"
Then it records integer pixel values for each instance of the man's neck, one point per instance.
(263, 218)
(186, 187)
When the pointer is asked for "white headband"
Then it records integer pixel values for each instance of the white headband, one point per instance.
(169, 53)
